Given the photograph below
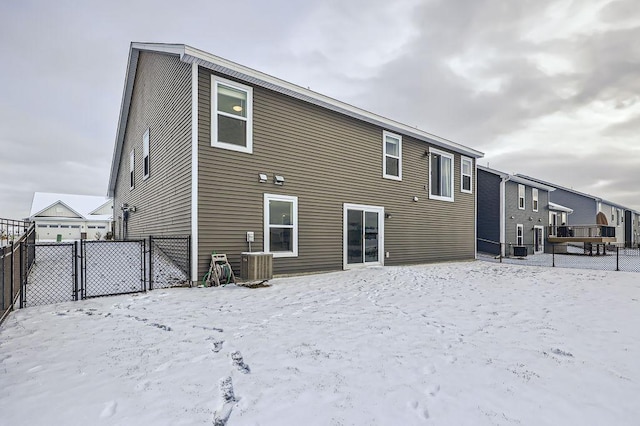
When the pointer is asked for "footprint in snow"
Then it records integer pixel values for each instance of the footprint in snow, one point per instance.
(228, 399)
(109, 409)
(217, 346)
(238, 362)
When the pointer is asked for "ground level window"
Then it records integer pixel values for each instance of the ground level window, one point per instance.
(281, 225)
(519, 234)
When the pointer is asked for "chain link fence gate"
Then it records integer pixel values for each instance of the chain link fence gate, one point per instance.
(112, 267)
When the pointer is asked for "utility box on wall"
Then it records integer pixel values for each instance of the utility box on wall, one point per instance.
(256, 266)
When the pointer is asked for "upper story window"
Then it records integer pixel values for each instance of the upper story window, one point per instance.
(613, 214)
(281, 225)
(534, 194)
(145, 155)
(467, 175)
(232, 115)
(521, 203)
(440, 175)
(392, 161)
(132, 163)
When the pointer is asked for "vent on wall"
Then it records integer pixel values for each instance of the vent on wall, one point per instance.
(256, 266)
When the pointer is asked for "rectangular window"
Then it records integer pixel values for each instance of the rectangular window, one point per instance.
(392, 158)
(613, 214)
(534, 193)
(132, 163)
(145, 155)
(440, 175)
(521, 197)
(75, 226)
(619, 217)
(467, 175)
(281, 225)
(232, 115)
(519, 234)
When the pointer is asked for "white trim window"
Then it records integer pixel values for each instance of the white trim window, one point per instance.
(392, 158)
(231, 115)
(519, 234)
(521, 201)
(440, 175)
(466, 175)
(281, 225)
(132, 163)
(145, 155)
(534, 197)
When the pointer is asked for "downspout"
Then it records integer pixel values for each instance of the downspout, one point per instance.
(503, 213)
(194, 173)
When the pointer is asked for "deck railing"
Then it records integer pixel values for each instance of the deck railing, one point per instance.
(582, 231)
(11, 230)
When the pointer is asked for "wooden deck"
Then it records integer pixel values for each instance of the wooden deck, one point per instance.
(597, 234)
(595, 240)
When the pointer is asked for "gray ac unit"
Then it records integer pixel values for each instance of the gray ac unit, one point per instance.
(256, 266)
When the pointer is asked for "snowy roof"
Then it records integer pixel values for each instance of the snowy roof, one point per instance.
(190, 55)
(83, 205)
(559, 208)
(518, 179)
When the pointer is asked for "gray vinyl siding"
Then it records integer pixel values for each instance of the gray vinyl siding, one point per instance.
(327, 159)
(161, 101)
(584, 208)
(488, 212)
(527, 217)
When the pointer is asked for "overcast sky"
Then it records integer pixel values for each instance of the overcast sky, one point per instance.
(549, 89)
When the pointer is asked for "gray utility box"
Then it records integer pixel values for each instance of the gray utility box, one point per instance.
(256, 266)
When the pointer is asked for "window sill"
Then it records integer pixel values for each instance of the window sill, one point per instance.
(392, 177)
(439, 198)
(284, 254)
(231, 147)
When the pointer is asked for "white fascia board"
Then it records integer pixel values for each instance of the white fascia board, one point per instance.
(559, 208)
(258, 78)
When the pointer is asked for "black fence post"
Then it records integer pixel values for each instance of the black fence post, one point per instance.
(144, 265)
(553, 255)
(75, 270)
(150, 262)
(617, 258)
(13, 275)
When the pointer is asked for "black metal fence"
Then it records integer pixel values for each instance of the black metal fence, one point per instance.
(169, 261)
(12, 261)
(34, 274)
(607, 257)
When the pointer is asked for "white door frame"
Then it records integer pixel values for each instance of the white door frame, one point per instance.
(541, 228)
(345, 234)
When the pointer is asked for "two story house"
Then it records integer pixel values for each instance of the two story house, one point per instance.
(632, 228)
(241, 160)
(513, 213)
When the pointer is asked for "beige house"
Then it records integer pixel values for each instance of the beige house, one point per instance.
(240, 160)
(69, 217)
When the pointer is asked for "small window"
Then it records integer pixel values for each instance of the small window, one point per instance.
(75, 226)
(521, 203)
(281, 225)
(392, 161)
(534, 193)
(467, 175)
(132, 164)
(613, 214)
(42, 226)
(519, 234)
(440, 175)
(145, 155)
(232, 117)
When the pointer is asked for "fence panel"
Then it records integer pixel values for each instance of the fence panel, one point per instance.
(49, 273)
(629, 259)
(169, 261)
(113, 267)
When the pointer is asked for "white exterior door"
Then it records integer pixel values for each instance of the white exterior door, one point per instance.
(363, 236)
(538, 239)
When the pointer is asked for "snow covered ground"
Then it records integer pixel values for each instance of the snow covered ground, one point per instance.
(474, 343)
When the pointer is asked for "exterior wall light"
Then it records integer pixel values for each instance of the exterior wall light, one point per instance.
(263, 178)
(387, 216)
(278, 180)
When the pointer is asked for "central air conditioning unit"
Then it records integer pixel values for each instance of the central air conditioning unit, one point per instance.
(256, 266)
(520, 251)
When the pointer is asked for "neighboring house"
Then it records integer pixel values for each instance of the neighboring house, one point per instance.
(512, 212)
(212, 149)
(587, 208)
(632, 228)
(62, 217)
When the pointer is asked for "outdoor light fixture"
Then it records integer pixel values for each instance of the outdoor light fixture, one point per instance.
(387, 216)
(263, 178)
(415, 199)
(278, 180)
(530, 218)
